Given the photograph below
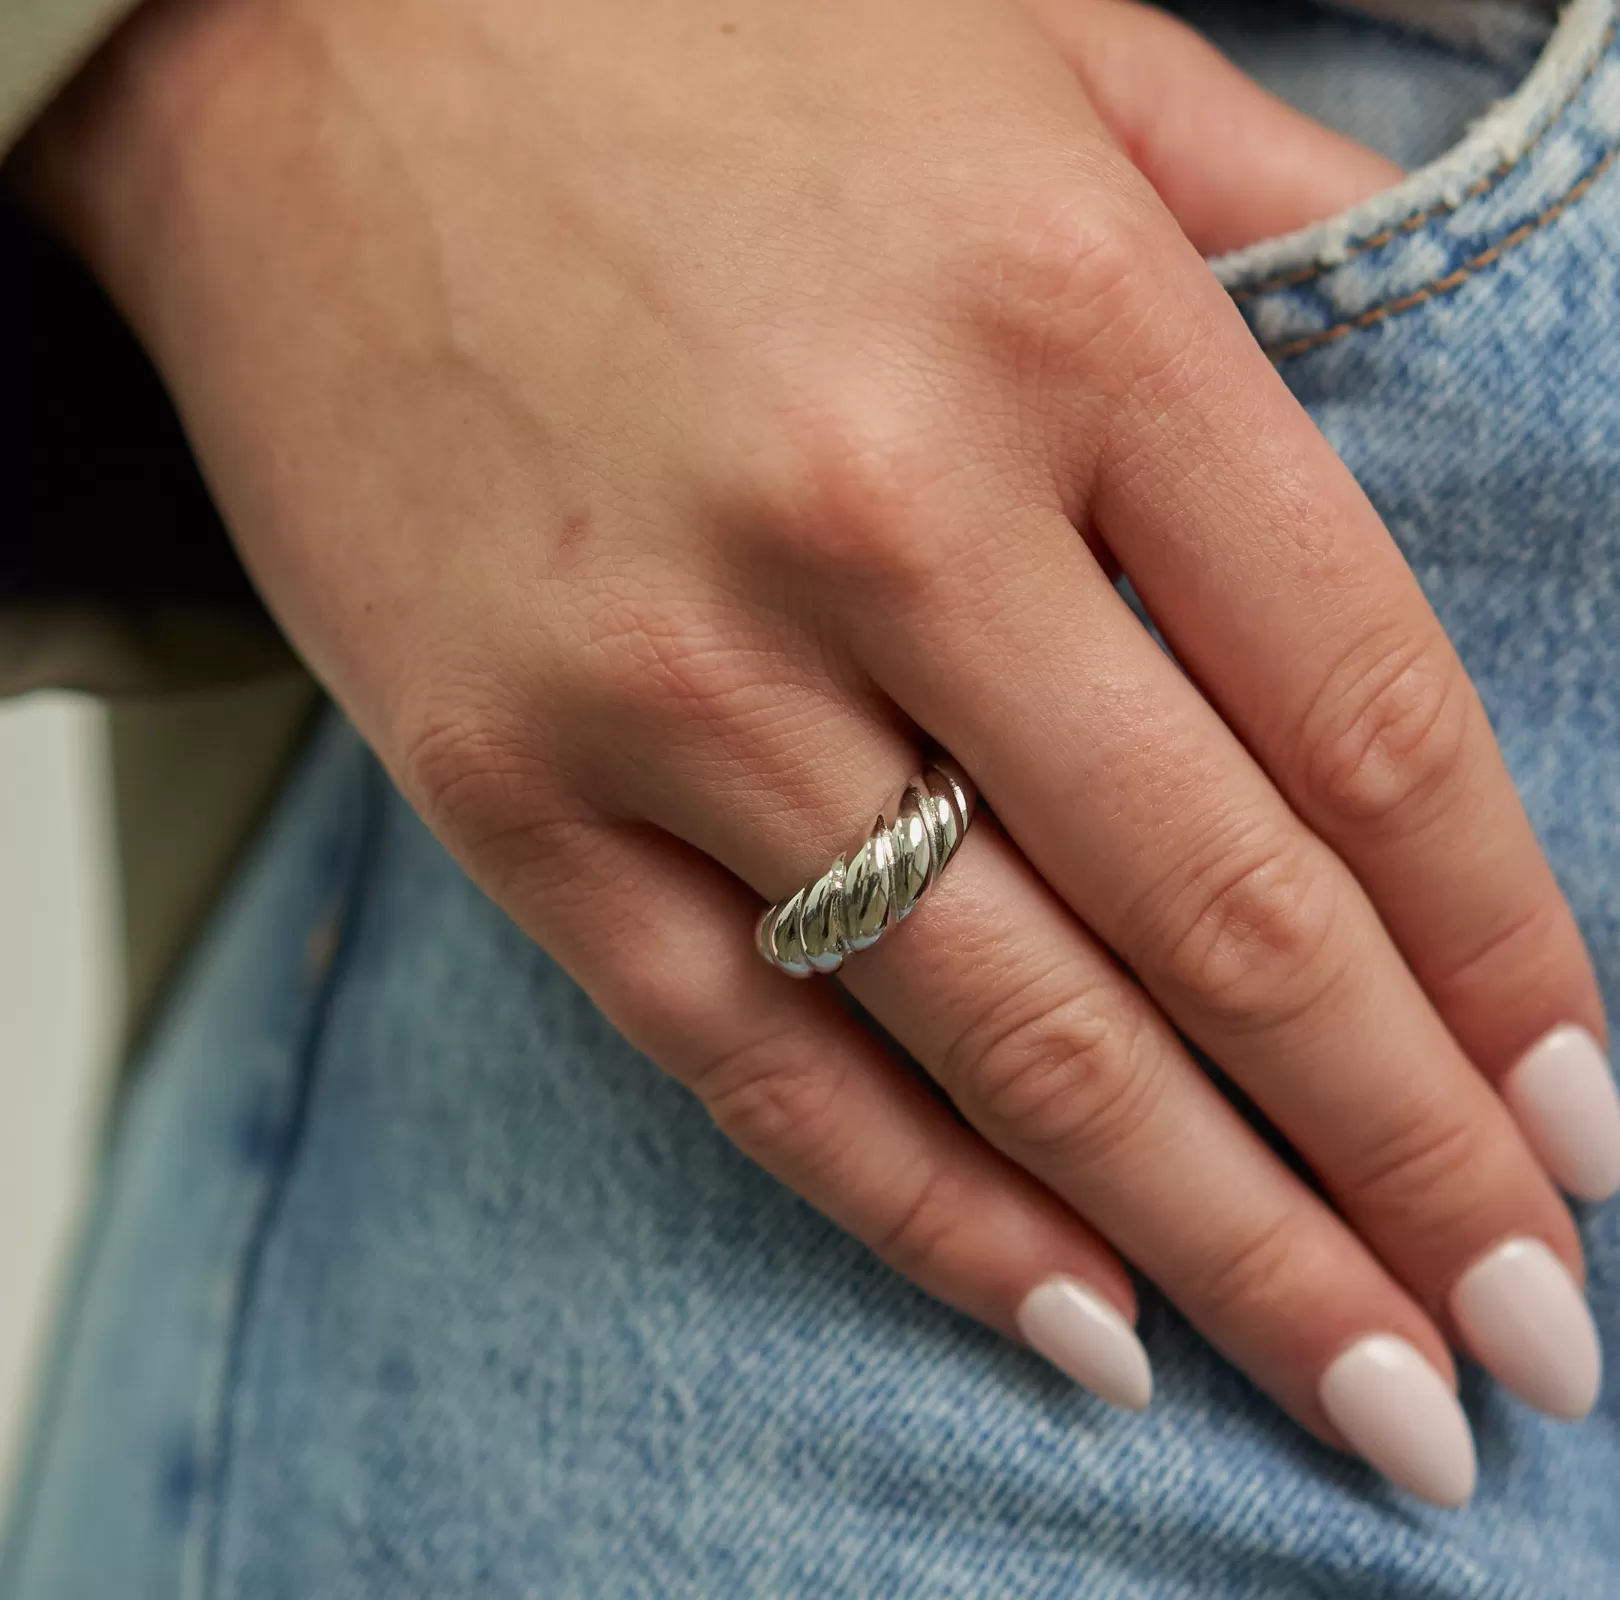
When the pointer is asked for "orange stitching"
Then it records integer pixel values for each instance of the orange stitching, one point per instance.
(1440, 208)
(1452, 280)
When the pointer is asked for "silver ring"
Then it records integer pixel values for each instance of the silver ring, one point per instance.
(851, 907)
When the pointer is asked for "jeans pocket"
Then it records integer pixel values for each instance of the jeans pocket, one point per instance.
(1519, 170)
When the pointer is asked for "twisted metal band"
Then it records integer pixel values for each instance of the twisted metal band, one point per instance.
(851, 907)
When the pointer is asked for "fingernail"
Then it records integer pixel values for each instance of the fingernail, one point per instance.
(1563, 1095)
(1082, 1335)
(1526, 1322)
(1403, 1418)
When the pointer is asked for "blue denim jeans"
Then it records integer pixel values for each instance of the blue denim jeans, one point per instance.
(410, 1278)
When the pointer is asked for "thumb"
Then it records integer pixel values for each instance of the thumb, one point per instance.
(1231, 162)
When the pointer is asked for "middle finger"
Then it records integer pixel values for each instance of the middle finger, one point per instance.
(1062, 1063)
(1141, 808)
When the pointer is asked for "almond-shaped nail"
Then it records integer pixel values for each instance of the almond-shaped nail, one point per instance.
(1081, 1334)
(1525, 1321)
(1403, 1418)
(1563, 1095)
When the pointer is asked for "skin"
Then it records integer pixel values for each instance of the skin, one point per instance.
(652, 420)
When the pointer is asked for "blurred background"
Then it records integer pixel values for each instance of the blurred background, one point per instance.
(60, 1003)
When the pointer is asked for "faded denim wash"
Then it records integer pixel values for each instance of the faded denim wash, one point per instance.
(410, 1278)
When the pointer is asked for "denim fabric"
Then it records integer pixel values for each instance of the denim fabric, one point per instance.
(410, 1278)
(1408, 96)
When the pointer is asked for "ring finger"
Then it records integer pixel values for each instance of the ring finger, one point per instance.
(1137, 804)
(1063, 1063)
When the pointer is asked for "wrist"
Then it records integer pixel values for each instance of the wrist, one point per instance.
(105, 165)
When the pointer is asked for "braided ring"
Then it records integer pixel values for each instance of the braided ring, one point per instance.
(851, 907)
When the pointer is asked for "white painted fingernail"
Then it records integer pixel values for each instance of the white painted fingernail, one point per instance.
(1081, 1334)
(1526, 1322)
(1403, 1418)
(1563, 1095)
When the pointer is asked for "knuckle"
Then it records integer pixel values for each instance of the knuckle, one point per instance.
(1069, 1080)
(669, 669)
(1075, 278)
(1254, 940)
(706, 689)
(917, 1241)
(848, 502)
(1422, 1153)
(1066, 242)
(1254, 1274)
(471, 773)
(1074, 251)
(775, 1101)
(1388, 734)
(1532, 962)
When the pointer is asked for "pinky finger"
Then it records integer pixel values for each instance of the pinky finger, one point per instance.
(659, 936)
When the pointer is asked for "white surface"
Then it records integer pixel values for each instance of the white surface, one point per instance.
(58, 1013)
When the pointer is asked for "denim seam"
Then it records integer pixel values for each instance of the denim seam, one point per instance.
(1452, 280)
(203, 1566)
(1441, 208)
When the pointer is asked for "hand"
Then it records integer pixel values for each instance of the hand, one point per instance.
(651, 420)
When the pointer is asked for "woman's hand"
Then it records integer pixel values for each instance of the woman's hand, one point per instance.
(653, 420)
